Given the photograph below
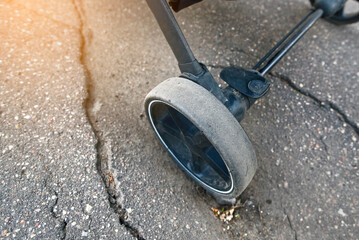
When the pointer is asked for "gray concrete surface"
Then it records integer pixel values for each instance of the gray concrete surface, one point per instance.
(50, 186)
(79, 160)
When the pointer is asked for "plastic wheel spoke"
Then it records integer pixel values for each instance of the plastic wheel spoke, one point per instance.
(166, 125)
(212, 158)
(196, 164)
(201, 148)
(189, 130)
(202, 143)
(186, 127)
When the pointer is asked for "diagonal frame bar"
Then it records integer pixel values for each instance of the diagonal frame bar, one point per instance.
(284, 46)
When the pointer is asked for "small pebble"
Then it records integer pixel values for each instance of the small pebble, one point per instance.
(342, 213)
(88, 208)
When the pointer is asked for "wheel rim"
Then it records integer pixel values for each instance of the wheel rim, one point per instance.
(342, 17)
(189, 147)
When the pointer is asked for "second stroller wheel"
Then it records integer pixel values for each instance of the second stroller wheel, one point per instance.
(203, 137)
(341, 17)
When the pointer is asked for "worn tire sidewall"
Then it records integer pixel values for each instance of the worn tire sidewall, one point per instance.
(218, 125)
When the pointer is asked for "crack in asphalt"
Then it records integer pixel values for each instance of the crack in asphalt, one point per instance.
(326, 103)
(290, 224)
(287, 216)
(53, 213)
(52, 208)
(46, 184)
(326, 147)
(63, 228)
(63, 222)
(101, 160)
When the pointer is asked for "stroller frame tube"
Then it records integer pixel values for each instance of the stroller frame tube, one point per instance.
(295, 37)
(175, 38)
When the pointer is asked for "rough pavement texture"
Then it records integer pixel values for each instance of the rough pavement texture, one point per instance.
(156, 198)
(54, 172)
(50, 187)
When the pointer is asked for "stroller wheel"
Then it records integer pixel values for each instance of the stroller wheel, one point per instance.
(341, 17)
(203, 137)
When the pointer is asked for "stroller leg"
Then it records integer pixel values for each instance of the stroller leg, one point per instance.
(175, 38)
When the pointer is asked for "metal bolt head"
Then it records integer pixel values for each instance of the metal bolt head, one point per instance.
(257, 86)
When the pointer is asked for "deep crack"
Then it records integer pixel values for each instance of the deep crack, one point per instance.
(101, 161)
(47, 186)
(326, 103)
(63, 227)
(53, 206)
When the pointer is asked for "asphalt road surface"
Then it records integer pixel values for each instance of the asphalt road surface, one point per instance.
(78, 159)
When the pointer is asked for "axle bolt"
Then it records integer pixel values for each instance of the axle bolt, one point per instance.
(257, 86)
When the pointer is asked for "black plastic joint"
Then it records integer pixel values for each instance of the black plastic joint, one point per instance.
(248, 82)
(206, 80)
(193, 67)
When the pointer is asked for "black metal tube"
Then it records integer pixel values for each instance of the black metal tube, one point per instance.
(281, 41)
(175, 38)
(291, 42)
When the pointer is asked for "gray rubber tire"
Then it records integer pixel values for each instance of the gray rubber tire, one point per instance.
(219, 126)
